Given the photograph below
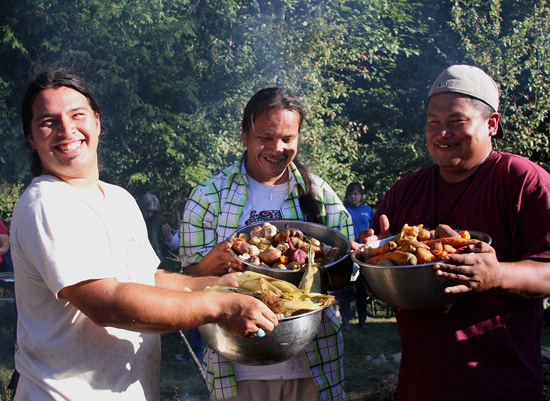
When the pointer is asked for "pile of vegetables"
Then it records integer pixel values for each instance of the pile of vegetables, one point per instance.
(417, 245)
(289, 249)
(282, 297)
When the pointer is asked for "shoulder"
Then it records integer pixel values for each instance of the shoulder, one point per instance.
(521, 169)
(220, 180)
(43, 189)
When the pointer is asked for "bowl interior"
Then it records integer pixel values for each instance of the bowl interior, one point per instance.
(409, 287)
(334, 275)
(287, 340)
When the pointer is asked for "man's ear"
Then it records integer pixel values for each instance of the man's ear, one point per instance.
(492, 122)
(31, 141)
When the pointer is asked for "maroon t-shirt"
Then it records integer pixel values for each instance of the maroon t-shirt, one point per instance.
(487, 345)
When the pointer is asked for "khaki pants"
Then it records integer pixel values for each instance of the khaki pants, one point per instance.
(276, 390)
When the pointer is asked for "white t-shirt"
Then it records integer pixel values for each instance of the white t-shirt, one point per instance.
(264, 202)
(60, 237)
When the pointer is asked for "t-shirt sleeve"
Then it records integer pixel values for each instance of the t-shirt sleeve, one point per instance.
(66, 245)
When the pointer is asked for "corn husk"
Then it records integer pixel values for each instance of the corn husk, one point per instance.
(282, 297)
(311, 280)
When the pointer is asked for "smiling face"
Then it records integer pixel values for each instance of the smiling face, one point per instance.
(65, 132)
(458, 135)
(272, 143)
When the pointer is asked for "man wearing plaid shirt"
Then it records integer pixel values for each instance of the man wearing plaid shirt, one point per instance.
(266, 183)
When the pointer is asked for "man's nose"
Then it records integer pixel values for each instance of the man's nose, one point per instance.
(278, 145)
(446, 129)
(66, 126)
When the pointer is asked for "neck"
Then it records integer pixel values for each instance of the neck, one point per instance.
(282, 179)
(454, 177)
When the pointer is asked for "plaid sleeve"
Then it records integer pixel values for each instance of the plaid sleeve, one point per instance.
(198, 226)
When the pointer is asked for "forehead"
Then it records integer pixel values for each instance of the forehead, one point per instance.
(277, 119)
(450, 103)
(54, 100)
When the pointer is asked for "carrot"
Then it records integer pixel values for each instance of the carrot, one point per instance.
(455, 242)
(384, 248)
(465, 234)
(425, 256)
(444, 231)
(397, 257)
(412, 246)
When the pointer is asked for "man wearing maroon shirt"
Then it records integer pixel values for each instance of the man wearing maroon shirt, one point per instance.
(487, 345)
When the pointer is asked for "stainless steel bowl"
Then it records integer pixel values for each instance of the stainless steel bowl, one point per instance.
(410, 287)
(334, 275)
(287, 340)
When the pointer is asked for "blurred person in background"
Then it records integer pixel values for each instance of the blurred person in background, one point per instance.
(91, 302)
(149, 205)
(171, 238)
(362, 215)
(487, 345)
(266, 183)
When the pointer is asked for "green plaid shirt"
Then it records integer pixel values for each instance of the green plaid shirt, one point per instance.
(211, 215)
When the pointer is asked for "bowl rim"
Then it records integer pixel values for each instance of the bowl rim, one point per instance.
(382, 241)
(274, 269)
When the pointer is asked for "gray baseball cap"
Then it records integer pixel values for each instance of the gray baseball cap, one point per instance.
(470, 81)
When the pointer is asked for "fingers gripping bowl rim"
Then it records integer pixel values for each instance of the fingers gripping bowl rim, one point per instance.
(334, 276)
(412, 286)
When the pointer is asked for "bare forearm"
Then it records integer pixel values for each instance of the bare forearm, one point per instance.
(144, 308)
(181, 282)
(527, 278)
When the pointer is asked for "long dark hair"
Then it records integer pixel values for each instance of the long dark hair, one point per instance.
(281, 98)
(51, 78)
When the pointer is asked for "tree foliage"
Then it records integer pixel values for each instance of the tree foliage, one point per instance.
(173, 77)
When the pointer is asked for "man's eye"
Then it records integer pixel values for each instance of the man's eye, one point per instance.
(47, 123)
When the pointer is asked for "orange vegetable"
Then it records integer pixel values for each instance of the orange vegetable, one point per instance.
(465, 235)
(397, 257)
(384, 248)
(455, 242)
(425, 256)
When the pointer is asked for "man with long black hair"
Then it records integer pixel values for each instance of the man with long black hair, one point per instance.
(266, 183)
(90, 298)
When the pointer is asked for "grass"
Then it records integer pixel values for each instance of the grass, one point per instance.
(181, 380)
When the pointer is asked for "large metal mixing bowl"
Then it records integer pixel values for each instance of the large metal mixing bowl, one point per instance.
(334, 275)
(410, 287)
(287, 340)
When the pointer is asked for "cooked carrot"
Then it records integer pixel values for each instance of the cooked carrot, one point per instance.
(425, 256)
(465, 234)
(455, 242)
(397, 257)
(449, 249)
(384, 248)
(444, 231)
